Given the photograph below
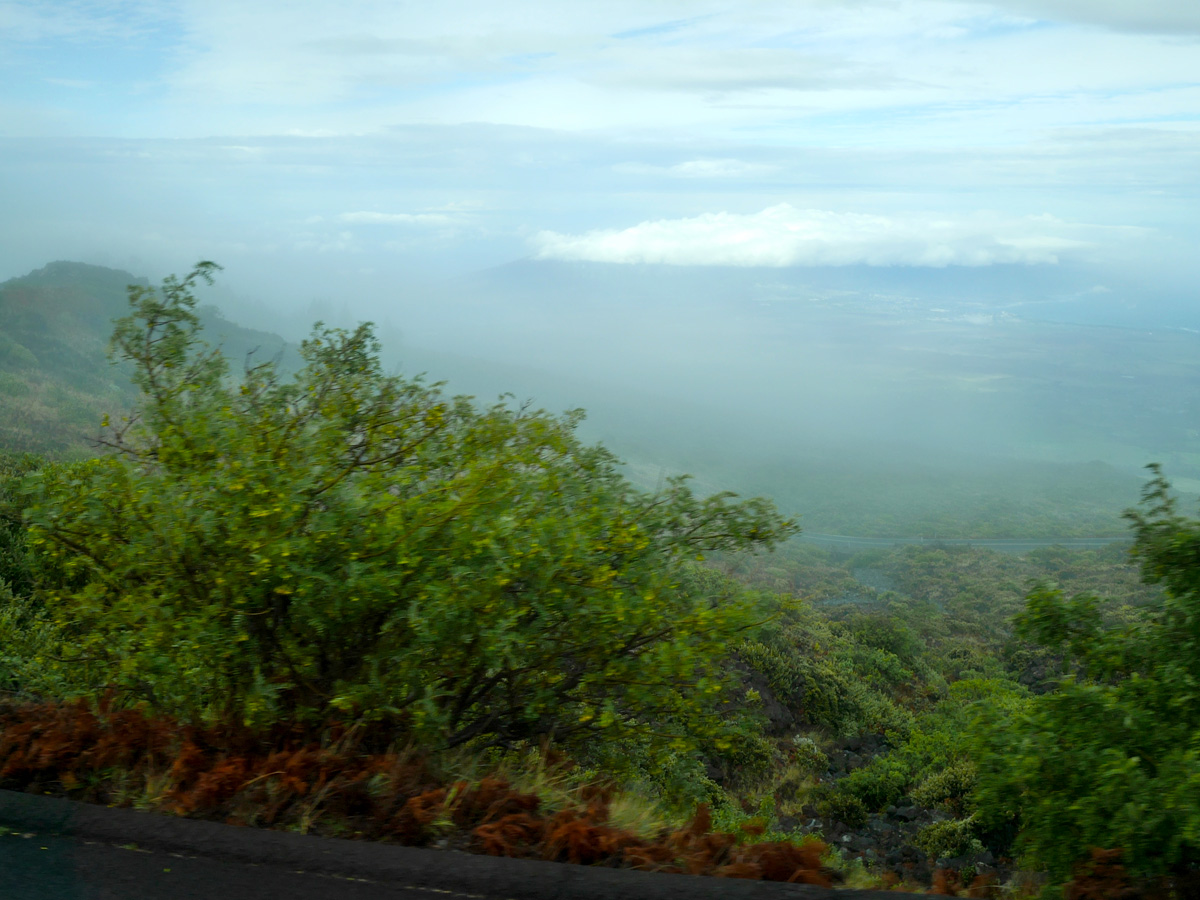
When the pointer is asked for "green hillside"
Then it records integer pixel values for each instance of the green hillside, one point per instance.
(56, 381)
(311, 572)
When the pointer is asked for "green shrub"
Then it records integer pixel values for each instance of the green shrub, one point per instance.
(931, 754)
(843, 807)
(950, 787)
(952, 837)
(816, 670)
(1111, 758)
(880, 783)
(15, 563)
(808, 756)
(356, 546)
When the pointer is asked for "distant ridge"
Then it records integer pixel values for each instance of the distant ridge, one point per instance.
(1009, 545)
(56, 381)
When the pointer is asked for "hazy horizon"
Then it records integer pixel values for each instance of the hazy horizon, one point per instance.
(900, 226)
(331, 151)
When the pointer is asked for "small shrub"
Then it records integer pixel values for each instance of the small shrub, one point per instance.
(808, 756)
(843, 807)
(953, 837)
(949, 787)
(882, 782)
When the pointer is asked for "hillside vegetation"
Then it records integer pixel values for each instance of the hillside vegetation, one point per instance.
(260, 575)
(55, 373)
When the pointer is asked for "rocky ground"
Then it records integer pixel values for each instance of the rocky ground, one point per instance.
(885, 842)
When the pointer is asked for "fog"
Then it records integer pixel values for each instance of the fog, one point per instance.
(752, 241)
(972, 382)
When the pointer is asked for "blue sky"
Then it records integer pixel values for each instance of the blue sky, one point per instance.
(357, 140)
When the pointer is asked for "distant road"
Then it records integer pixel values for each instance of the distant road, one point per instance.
(1005, 545)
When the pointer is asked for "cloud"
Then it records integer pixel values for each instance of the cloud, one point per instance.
(76, 83)
(699, 168)
(81, 20)
(717, 70)
(381, 218)
(1171, 17)
(783, 235)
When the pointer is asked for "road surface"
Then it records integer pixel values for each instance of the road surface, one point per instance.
(53, 849)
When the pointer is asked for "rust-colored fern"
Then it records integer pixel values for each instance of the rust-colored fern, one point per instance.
(285, 778)
(1101, 877)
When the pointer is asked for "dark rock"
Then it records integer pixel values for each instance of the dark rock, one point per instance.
(880, 826)
(918, 872)
(974, 860)
(857, 843)
(905, 854)
(907, 813)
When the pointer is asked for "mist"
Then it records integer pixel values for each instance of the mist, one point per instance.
(913, 241)
(859, 398)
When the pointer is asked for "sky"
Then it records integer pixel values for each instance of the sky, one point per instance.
(320, 149)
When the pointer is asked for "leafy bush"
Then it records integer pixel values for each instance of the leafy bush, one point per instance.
(808, 756)
(880, 783)
(843, 807)
(15, 565)
(813, 669)
(951, 837)
(950, 787)
(932, 755)
(1110, 759)
(358, 546)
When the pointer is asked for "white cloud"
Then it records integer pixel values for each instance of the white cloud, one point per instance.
(699, 168)
(341, 242)
(381, 218)
(718, 168)
(1171, 17)
(783, 235)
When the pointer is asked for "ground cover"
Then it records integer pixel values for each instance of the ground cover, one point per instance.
(124, 758)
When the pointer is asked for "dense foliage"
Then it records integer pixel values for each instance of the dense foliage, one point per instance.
(347, 544)
(1112, 757)
(54, 369)
(15, 566)
(257, 549)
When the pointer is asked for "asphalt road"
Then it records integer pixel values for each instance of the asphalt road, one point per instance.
(54, 849)
(51, 867)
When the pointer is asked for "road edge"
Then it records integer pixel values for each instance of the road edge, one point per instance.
(484, 876)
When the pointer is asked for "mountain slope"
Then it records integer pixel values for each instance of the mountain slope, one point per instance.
(56, 381)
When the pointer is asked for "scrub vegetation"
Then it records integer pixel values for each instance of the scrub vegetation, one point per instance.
(305, 593)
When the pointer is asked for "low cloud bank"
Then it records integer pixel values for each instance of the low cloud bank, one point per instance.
(783, 235)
